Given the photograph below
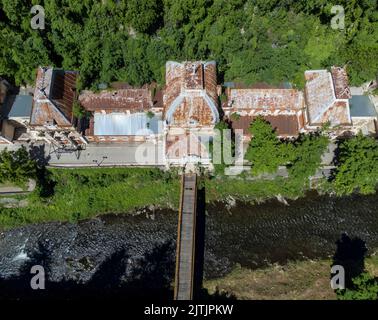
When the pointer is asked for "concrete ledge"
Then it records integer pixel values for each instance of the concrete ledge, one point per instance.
(13, 189)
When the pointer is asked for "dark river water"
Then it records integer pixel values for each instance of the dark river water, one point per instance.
(138, 251)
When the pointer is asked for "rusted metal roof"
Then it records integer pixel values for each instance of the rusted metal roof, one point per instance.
(193, 111)
(43, 83)
(63, 91)
(190, 97)
(341, 83)
(133, 100)
(322, 104)
(53, 98)
(265, 99)
(337, 113)
(44, 113)
(256, 85)
(193, 75)
(285, 125)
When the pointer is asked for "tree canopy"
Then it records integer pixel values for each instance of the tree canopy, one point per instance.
(358, 165)
(251, 40)
(302, 157)
(365, 287)
(265, 151)
(16, 166)
(306, 158)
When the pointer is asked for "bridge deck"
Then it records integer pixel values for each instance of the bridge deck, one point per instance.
(186, 239)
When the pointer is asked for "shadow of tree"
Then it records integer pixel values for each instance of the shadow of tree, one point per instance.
(45, 182)
(350, 253)
(116, 278)
(19, 286)
(155, 272)
(336, 158)
(200, 241)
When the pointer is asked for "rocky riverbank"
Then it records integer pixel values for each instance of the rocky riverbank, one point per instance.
(128, 251)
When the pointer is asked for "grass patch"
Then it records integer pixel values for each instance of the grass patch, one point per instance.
(84, 193)
(81, 193)
(304, 280)
(74, 194)
(243, 189)
(9, 184)
(372, 264)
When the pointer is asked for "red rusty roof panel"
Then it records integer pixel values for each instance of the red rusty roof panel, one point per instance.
(337, 113)
(133, 100)
(194, 86)
(63, 91)
(322, 103)
(45, 113)
(265, 99)
(341, 83)
(285, 125)
(193, 75)
(54, 95)
(193, 111)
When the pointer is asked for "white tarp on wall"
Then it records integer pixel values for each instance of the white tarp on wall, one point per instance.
(122, 124)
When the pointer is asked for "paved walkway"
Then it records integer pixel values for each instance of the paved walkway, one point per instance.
(13, 189)
(125, 154)
(121, 154)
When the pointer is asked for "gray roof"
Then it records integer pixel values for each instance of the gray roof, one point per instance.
(362, 106)
(21, 106)
(122, 124)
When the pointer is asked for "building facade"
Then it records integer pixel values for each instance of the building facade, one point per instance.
(191, 110)
(180, 117)
(123, 115)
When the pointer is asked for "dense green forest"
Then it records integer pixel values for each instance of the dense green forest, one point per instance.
(251, 40)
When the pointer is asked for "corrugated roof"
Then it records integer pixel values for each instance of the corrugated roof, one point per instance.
(45, 113)
(63, 91)
(266, 99)
(285, 125)
(341, 83)
(190, 97)
(322, 103)
(134, 100)
(43, 83)
(193, 75)
(257, 85)
(53, 97)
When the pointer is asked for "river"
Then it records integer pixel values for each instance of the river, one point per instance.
(138, 250)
